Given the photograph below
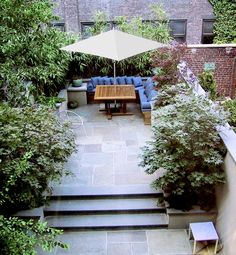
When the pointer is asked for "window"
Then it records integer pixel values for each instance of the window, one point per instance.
(59, 25)
(207, 31)
(178, 30)
(85, 27)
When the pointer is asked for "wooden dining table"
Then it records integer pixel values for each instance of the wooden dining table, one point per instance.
(118, 93)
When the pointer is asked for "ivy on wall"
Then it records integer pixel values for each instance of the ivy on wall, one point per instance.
(225, 25)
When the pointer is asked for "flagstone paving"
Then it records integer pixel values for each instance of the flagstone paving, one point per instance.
(108, 157)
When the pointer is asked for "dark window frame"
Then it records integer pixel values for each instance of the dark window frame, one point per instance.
(59, 25)
(205, 35)
(183, 35)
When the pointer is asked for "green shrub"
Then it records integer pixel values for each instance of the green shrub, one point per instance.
(187, 146)
(33, 150)
(19, 237)
(208, 83)
(30, 50)
(230, 106)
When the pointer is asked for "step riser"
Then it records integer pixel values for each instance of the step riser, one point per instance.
(84, 212)
(74, 228)
(75, 197)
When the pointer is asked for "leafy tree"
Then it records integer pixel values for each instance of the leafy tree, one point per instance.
(225, 25)
(165, 62)
(30, 50)
(19, 237)
(33, 150)
(186, 145)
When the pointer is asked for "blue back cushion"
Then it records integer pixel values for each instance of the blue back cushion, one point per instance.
(147, 82)
(137, 81)
(151, 95)
(107, 81)
(148, 88)
(112, 80)
(101, 80)
(94, 81)
(121, 80)
(129, 79)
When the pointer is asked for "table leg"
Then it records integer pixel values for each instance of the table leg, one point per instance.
(124, 109)
(189, 233)
(194, 246)
(109, 116)
(216, 245)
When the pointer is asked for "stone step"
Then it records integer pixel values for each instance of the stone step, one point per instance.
(74, 192)
(108, 206)
(116, 221)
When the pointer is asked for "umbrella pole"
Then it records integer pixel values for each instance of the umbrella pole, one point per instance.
(114, 69)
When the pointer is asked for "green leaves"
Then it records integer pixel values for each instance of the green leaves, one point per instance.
(33, 149)
(225, 26)
(186, 144)
(19, 237)
(30, 49)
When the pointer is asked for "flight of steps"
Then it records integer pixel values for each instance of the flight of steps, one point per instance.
(90, 208)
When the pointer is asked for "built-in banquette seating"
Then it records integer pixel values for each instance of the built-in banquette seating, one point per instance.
(145, 91)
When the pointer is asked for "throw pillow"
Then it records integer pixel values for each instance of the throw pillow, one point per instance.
(101, 80)
(94, 81)
(129, 79)
(107, 81)
(121, 80)
(112, 80)
(147, 82)
(137, 81)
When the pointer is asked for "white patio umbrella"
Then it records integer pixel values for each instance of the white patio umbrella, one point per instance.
(115, 45)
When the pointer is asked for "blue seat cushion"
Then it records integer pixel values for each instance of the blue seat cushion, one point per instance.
(137, 81)
(121, 80)
(94, 81)
(129, 79)
(107, 81)
(151, 95)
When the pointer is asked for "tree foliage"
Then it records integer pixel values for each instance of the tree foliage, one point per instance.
(19, 237)
(33, 149)
(30, 49)
(225, 25)
(187, 146)
(165, 62)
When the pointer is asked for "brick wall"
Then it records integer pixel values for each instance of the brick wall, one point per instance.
(225, 66)
(73, 12)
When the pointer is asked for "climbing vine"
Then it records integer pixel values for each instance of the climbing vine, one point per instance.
(225, 24)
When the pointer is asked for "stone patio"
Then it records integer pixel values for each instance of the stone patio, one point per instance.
(109, 156)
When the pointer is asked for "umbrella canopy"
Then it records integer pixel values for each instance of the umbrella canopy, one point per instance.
(114, 44)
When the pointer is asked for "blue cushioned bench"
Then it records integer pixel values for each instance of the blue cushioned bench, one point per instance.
(145, 91)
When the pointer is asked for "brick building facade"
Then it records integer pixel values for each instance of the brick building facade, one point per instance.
(223, 61)
(188, 17)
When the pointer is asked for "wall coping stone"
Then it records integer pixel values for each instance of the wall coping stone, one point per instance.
(227, 45)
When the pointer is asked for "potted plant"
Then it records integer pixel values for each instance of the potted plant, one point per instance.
(187, 147)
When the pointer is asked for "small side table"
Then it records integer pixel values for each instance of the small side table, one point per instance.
(203, 231)
(78, 94)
